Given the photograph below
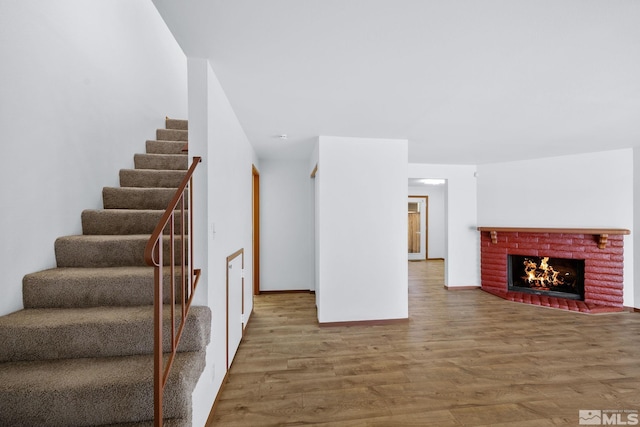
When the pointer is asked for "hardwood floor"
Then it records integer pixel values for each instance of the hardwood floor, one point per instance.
(465, 358)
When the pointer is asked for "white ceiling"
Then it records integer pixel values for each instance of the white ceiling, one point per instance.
(465, 81)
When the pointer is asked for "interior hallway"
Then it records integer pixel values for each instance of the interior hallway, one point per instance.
(465, 358)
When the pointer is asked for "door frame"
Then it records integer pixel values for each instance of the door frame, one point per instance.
(426, 223)
(255, 207)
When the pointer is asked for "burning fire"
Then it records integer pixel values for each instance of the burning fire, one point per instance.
(541, 276)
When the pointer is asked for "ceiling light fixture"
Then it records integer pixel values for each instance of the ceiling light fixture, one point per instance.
(431, 181)
(283, 136)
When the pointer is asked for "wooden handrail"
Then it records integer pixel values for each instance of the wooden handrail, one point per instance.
(153, 255)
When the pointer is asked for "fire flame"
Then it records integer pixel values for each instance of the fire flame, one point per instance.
(541, 276)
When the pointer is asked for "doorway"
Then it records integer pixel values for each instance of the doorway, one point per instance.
(417, 227)
(255, 208)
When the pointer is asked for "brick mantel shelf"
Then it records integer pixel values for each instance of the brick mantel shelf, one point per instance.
(602, 233)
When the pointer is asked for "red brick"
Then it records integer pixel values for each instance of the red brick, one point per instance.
(611, 275)
(567, 248)
(573, 305)
(593, 290)
(494, 285)
(570, 235)
(494, 269)
(528, 239)
(536, 246)
(594, 278)
(615, 243)
(608, 250)
(494, 258)
(494, 263)
(597, 255)
(598, 270)
(584, 241)
(602, 284)
(525, 252)
(544, 301)
(606, 263)
(497, 277)
(558, 254)
(495, 249)
(555, 241)
(538, 235)
(599, 298)
(494, 274)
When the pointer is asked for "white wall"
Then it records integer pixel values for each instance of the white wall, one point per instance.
(587, 190)
(362, 225)
(636, 225)
(436, 232)
(313, 167)
(286, 218)
(215, 134)
(462, 259)
(83, 84)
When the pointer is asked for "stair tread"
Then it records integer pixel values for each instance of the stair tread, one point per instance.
(137, 197)
(56, 317)
(127, 221)
(108, 250)
(151, 178)
(105, 237)
(167, 155)
(180, 124)
(172, 134)
(83, 273)
(106, 390)
(67, 287)
(156, 171)
(161, 161)
(55, 333)
(165, 147)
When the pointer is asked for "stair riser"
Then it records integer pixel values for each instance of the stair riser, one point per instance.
(76, 251)
(165, 147)
(91, 337)
(55, 289)
(119, 222)
(26, 401)
(172, 135)
(138, 198)
(161, 161)
(149, 178)
(176, 124)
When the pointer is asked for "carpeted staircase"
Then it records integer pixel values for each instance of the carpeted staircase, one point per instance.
(80, 352)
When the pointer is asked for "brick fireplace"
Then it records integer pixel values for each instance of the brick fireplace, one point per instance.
(601, 249)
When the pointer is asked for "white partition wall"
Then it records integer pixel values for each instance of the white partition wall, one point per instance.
(361, 229)
(222, 215)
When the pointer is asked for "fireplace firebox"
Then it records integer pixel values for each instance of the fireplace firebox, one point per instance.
(541, 275)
